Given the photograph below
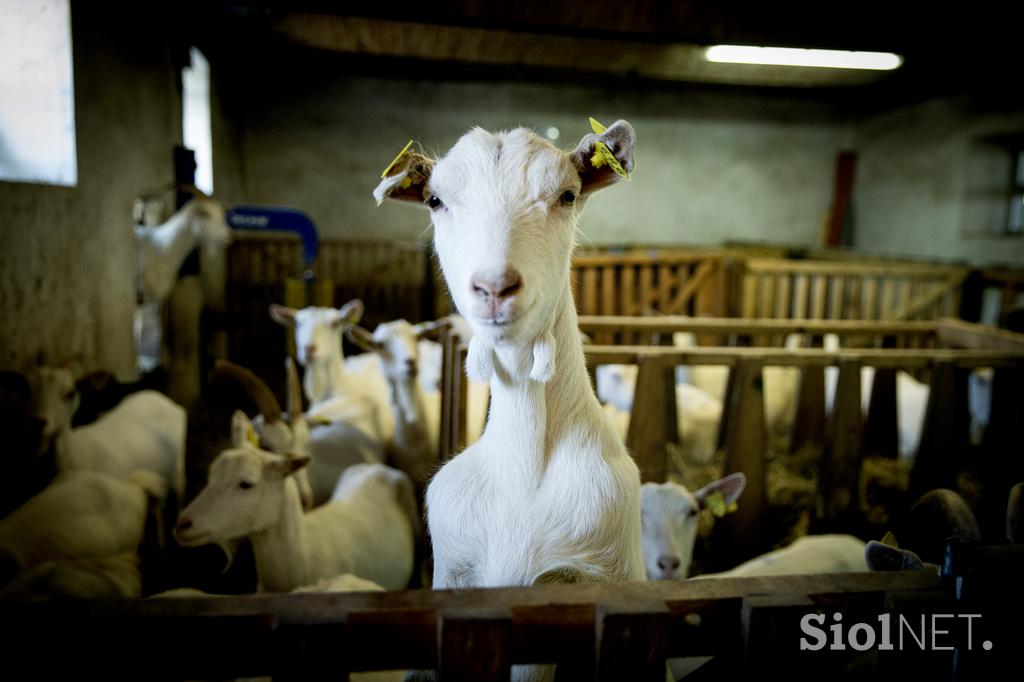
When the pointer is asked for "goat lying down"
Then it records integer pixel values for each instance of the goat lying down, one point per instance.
(369, 527)
(145, 431)
(670, 516)
(73, 530)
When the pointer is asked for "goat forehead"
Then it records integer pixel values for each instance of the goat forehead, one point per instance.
(241, 463)
(316, 317)
(524, 166)
(666, 498)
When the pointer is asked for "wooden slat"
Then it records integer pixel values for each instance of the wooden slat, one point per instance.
(608, 289)
(701, 276)
(646, 284)
(631, 641)
(800, 297)
(819, 300)
(837, 502)
(589, 298)
(731, 325)
(474, 644)
(959, 334)
(651, 428)
(739, 534)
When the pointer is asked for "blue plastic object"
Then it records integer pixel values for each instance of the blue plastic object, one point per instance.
(277, 219)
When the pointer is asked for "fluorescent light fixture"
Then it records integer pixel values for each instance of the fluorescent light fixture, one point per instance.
(793, 56)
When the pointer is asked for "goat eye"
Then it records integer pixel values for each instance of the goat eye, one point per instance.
(693, 512)
(70, 395)
(434, 201)
(568, 198)
(245, 485)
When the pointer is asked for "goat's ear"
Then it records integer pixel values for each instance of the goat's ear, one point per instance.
(881, 557)
(283, 315)
(597, 172)
(243, 433)
(405, 179)
(350, 313)
(730, 487)
(287, 464)
(425, 328)
(361, 337)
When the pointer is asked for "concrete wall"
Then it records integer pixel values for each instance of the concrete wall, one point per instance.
(66, 267)
(711, 167)
(917, 178)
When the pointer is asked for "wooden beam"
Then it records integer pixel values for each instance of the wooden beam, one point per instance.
(474, 644)
(959, 334)
(631, 641)
(837, 502)
(738, 535)
(945, 434)
(731, 325)
(652, 422)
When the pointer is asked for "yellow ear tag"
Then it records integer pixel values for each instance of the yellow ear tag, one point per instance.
(890, 540)
(715, 503)
(397, 159)
(250, 435)
(603, 155)
(321, 420)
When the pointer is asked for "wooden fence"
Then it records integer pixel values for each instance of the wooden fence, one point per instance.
(590, 631)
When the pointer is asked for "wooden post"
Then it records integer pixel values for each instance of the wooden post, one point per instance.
(630, 641)
(739, 534)
(945, 433)
(1002, 464)
(184, 306)
(881, 430)
(652, 417)
(809, 423)
(445, 446)
(837, 503)
(474, 644)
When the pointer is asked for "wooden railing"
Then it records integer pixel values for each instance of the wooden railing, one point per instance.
(595, 631)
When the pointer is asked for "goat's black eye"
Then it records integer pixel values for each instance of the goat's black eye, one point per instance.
(245, 485)
(568, 198)
(434, 201)
(70, 395)
(692, 513)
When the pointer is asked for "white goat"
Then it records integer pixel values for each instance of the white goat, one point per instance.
(163, 249)
(548, 492)
(670, 515)
(807, 554)
(334, 394)
(145, 431)
(368, 528)
(110, 577)
(416, 413)
(81, 515)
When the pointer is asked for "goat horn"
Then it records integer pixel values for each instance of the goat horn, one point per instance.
(257, 388)
(294, 391)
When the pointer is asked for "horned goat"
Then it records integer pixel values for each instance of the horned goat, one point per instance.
(368, 528)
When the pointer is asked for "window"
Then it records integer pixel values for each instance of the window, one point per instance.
(994, 204)
(1015, 224)
(37, 97)
(195, 96)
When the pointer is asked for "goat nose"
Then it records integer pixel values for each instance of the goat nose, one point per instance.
(668, 563)
(501, 286)
(183, 524)
(310, 350)
(410, 366)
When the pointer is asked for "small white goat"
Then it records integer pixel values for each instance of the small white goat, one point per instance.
(334, 394)
(670, 515)
(145, 431)
(81, 515)
(163, 249)
(416, 413)
(548, 492)
(368, 528)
